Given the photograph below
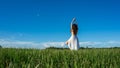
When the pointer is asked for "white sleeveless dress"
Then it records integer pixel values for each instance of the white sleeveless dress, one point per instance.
(73, 42)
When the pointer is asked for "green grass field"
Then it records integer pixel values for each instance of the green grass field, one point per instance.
(58, 58)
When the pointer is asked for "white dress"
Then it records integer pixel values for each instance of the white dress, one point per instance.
(73, 42)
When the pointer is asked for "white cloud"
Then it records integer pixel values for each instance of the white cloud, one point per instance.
(53, 44)
(42, 45)
(29, 44)
(19, 44)
(100, 44)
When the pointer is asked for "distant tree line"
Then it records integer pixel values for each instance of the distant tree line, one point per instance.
(55, 48)
(0, 46)
(62, 48)
(80, 48)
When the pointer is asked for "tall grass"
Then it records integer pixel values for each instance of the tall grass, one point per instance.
(53, 58)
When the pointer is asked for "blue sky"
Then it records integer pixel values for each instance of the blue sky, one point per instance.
(49, 20)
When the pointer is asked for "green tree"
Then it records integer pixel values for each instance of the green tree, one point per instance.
(0, 46)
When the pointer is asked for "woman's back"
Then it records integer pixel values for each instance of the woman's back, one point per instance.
(73, 42)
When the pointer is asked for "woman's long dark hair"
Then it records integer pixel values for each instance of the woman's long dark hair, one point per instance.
(75, 28)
